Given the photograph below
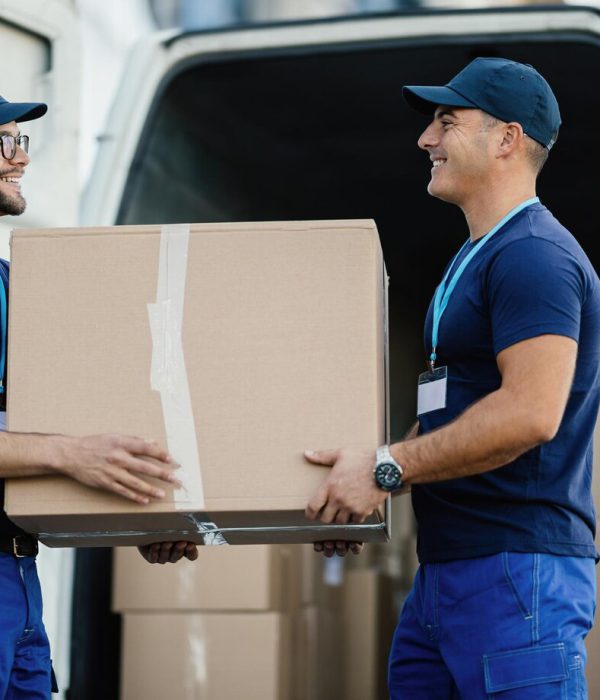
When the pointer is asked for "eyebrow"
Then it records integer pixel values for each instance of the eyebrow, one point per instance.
(9, 133)
(445, 113)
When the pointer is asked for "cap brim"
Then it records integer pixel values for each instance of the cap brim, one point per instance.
(21, 111)
(425, 98)
(27, 111)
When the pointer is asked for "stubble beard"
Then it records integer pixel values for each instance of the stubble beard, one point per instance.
(12, 204)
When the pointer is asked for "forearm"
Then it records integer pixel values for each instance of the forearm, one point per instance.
(29, 454)
(489, 434)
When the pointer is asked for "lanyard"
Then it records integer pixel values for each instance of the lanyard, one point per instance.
(3, 332)
(445, 289)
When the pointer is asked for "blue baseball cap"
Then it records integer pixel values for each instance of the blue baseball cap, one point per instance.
(20, 111)
(509, 91)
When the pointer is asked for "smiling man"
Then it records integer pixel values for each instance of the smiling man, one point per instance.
(499, 464)
(113, 463)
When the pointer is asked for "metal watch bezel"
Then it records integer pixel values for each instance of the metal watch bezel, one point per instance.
(385, 458)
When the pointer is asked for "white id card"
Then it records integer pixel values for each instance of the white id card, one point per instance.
(431, 394)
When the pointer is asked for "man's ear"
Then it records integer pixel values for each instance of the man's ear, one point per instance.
(511, 138)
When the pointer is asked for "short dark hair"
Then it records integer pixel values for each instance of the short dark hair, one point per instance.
(536, 153)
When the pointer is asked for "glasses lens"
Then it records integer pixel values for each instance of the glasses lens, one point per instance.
(9, 146)
(23, 141)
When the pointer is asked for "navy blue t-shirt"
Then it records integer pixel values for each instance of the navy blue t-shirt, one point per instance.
(532, 278)
(6, 526)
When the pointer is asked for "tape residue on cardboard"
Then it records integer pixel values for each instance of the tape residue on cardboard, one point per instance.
(211, 534)
(168, 374)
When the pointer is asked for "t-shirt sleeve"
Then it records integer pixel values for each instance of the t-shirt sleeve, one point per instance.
(534, 288)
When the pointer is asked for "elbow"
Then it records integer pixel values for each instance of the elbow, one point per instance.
(543, 429)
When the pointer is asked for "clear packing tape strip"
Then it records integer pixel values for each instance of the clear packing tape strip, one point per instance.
(168, 373)
(210, 533)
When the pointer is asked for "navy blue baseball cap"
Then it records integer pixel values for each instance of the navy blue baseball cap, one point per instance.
(20, 111)
(509, 91)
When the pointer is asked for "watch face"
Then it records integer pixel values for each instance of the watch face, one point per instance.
(387, 475)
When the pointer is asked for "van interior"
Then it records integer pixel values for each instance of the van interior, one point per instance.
(324, 133)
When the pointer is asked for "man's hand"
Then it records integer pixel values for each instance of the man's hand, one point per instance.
(163, 552)
(349, 493)
(341, 548)
(115, 463)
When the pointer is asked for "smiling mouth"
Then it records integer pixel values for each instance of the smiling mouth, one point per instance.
(438, 162)
(11, 180)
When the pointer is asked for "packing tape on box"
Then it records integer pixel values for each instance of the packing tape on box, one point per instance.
(208, 531)
(211, 534)
(168, 374)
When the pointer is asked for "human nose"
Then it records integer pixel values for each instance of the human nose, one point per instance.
(429, 138)
(21, 157)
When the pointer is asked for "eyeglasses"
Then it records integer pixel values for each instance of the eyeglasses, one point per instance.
(8, 145)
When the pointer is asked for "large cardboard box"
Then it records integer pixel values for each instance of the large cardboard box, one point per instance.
(368, 630)
(206, 656)
(318, 660)
(235, 345)
(256, 577)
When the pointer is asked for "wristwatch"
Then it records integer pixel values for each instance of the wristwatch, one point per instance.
(387, 472)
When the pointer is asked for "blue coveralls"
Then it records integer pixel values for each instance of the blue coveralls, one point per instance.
(25, 666)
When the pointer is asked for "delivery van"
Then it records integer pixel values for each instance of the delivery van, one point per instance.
(307, 121)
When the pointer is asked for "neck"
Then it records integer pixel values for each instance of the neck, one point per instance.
(483, 214)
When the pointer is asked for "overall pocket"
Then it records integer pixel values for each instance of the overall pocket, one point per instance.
(540, 673)
(519, 574)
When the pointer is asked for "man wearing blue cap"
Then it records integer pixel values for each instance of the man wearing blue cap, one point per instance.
(500, 462)
(110, 462)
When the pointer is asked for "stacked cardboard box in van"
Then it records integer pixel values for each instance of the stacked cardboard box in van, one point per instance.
(267, 622)
(218, 628)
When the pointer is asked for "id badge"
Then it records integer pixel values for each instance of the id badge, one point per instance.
(431, 394)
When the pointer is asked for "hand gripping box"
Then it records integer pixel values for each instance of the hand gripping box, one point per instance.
(236, 346)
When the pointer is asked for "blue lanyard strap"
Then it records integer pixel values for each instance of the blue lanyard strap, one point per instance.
(3, 333)
(446, 288)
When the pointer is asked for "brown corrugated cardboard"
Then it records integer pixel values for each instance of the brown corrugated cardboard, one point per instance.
(256, 577)
(368, 629)
(283, 348)
(317, 588)
(318, 669)
(206, 656)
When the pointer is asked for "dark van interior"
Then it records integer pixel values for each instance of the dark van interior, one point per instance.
(324, 133)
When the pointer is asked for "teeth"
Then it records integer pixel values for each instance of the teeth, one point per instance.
(9, 179)
(437, 163)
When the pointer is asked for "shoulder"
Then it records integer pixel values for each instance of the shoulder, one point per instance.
(537, 246)
(537, 228)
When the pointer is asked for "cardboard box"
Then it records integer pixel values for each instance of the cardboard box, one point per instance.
(369, 623)
(206, 656)
(256, 577)
(318, 661)
(322, 579)
(235, 345)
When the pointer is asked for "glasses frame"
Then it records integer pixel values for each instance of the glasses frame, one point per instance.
(9, 143)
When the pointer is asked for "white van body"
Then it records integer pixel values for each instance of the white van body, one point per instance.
(159, 54)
